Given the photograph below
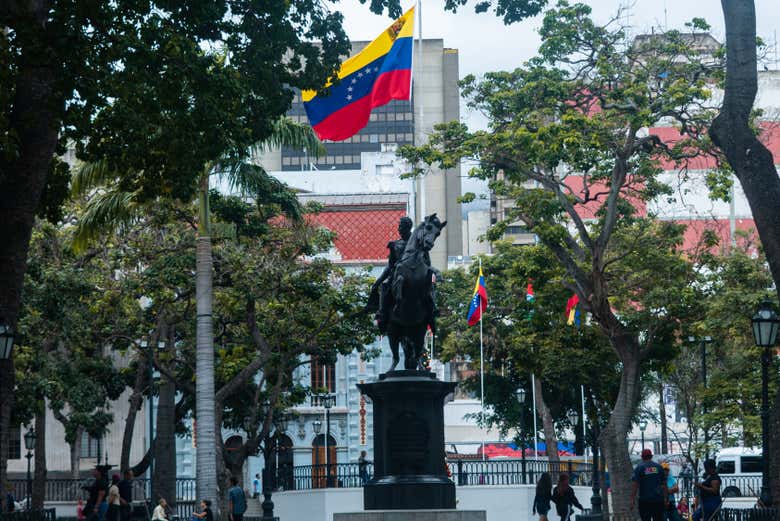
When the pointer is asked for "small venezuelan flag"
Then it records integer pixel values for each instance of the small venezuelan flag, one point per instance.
(379, 73)
(479, 302)
(573, 310)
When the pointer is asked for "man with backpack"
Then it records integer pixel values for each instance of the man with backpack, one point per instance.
(649, 480)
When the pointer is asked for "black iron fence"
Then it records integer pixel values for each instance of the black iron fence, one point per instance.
(463, 472)
(75, 489)
(516, 472)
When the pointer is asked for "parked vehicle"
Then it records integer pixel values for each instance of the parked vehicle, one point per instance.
(740, 471)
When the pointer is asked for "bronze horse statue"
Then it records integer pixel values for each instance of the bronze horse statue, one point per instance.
(412, 295)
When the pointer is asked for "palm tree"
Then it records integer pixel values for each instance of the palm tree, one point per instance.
(110, 207)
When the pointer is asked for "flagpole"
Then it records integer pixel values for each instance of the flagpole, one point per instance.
(481, 372)
(536, 430)
(584, 431)
(420, 124)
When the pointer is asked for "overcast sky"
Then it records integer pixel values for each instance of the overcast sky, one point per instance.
(486, 44)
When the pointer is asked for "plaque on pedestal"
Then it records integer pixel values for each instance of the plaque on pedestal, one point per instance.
(409, 459)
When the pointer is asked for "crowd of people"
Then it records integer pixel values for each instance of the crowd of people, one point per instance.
(654, 492)
(113, 501)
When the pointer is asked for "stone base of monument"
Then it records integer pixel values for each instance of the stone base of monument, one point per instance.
(412, 515)
(412, 492)
(409, 459)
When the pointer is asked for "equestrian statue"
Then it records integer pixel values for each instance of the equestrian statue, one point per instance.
(404, 294)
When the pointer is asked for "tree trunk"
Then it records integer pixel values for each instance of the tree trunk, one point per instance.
(752, 162)
(34, 121)
(662, 412)
(165, 439)
(136, 400)
(614, 436)
(75, 454)
(39, 478)
(206, 452)
(550, 439)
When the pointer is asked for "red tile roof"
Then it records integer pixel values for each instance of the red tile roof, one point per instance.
(361, 234)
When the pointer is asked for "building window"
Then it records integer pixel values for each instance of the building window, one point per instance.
(90, 446)
(323, 376)
(15, 443)
(286, 161)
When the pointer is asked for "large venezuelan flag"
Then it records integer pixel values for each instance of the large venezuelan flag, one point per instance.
(379, 73)
(479, 301)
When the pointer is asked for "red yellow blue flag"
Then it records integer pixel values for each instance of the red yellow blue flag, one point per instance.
(379, 73)
(573, 310)
(479, 301)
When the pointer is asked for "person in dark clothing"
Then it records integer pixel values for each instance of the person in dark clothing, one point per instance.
(205, 513)
(10, 500)
(710, 493)
(564, 498)
(96, 507)
(236, 501)
(363, 463)
(649, 480)
(125, 496)
(543, 496)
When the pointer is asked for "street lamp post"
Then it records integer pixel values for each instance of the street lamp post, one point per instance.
(317, 426)
(520, 394)
(642, 427)
(703, 341)
(573, 417)
(29, 444)
(765, 325)
(328, 401)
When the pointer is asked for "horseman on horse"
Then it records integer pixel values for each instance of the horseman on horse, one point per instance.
(408, 308)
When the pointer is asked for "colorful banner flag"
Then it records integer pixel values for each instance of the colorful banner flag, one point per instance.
(573, 310)
(529, 292)
(479, 301)
(379, 73)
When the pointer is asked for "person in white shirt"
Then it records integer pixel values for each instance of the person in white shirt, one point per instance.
(160, 513)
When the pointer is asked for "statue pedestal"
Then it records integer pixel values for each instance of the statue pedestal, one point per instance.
(409, 458)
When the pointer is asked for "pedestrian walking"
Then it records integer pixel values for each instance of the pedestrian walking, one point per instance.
(236, 501)
(113, 501)
(543, 496)
(672, 488)
(648, 479)
(709, 490)
(96, 503)
(363, 463)
(125, 496)
(256, 486)
(160, 512)
(564, 498)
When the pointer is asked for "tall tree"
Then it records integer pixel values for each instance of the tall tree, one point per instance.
(734, 132)
(156, 89)
(568, 141)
